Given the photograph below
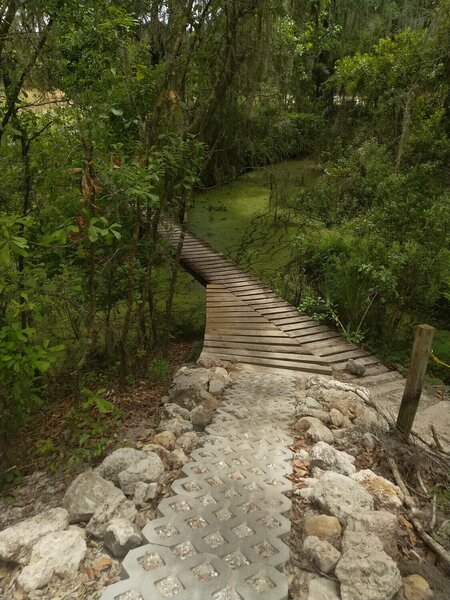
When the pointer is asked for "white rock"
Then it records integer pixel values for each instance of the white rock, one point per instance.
(118, 461)
(386, 494)
(166, 439)
(17, 541)
(219, 381)
(178, 458)
(323, 383)
(148, 470)
(310, 402)
(368, 419)
(321, 553)
(121, 536)
(326, 457)
(336, 417)
(302, 454)
(171, 410)
(368, 441)
(201, 417)
(187, 442)
(317, 413)
(315, 429)
(366, 571)
(144, 492)
(58, 553)
(323, 589)
(177, 425)
(115, 508)
(189, 386)
(340, 496)
(355, 368)
(381, 524)
(86, 493)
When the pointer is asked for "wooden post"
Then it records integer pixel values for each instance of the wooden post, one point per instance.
(414, 382)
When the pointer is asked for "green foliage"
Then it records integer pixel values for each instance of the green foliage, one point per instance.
(159, 370)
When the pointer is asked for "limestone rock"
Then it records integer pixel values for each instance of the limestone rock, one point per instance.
(163, 453)
(210, 402)
(179, 458)
(315, 429)
(187, 442)
(86, 493)
(323, 589)
(121, 536)
(118, 461)
(340, 496)
(113, 509)
(201, 417)
(17, 541)
(336, 417)
(386, 494)
(302, 454)
(321, 553)
(310, 402)
(191, 378)
(166, 439)
(355, 368)
(58, 553)
(148, 470)
(189, 386)
(380, 523)
(317, 413)
(144, 492)
(415, 587)
(366, 571)
(326, 457)
(177, 425)
(219, 381)
(171, 410)
(368, 441)
(369, 420)
(323, 527)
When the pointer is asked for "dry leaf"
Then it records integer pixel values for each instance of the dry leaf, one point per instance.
(102, 563)
(86, 187)
(74, 170)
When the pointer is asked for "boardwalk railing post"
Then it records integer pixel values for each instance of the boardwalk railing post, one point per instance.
(414, 382)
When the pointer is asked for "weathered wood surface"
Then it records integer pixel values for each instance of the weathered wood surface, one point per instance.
(247, 322)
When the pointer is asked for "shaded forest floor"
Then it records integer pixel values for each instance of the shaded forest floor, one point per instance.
(59, 439)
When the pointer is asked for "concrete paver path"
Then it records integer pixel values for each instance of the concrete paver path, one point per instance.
(220, 537)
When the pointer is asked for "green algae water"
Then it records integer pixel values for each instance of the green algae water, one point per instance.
(249, 219)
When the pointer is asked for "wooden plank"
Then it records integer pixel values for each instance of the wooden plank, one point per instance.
(278, 311)
(267, 354)
(305, 324)
(258, 347)
(290, 320)
(316, 337)
(307, 331)
(388, 388)
(214, 327)
(372, 381)
(270, 340)
(290, 365)
(335, 358)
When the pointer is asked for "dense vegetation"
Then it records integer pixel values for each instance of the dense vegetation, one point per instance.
(114, 112)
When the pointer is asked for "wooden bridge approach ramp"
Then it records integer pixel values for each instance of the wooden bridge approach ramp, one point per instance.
(247, 322)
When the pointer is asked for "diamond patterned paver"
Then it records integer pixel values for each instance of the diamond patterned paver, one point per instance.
(220, 537)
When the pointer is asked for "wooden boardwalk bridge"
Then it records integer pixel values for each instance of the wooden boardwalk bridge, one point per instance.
(247, 322)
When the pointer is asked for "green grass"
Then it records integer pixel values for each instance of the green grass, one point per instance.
(236, 218)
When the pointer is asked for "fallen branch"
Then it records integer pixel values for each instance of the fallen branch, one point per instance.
(433, 517)
(412, 514)
(436, 439)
